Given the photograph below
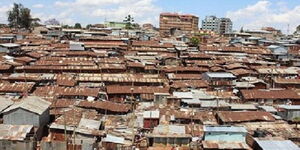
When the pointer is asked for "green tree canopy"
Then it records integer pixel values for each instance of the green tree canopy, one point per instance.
(129, 20)
(296, 120)
(194, 41)
(20, 17)
(88, 26)
(77, 26)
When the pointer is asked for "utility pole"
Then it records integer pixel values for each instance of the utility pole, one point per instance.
(74, 134)
(133, 114)
(218, 105)
(65, 129)
(26, 86)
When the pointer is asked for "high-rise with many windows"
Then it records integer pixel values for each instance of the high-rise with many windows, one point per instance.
(218, 25)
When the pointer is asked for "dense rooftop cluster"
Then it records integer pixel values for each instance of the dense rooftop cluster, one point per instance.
(107, 88)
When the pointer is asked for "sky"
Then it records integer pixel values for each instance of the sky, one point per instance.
(249, 14)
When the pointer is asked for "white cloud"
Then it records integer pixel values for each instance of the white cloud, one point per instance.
(266, 13)
(3, 13)
(38, 6)
(113, 10)
(61, 17)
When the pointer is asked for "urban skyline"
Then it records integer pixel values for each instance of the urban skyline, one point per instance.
(252, 14)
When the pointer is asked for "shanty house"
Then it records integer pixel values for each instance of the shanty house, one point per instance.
(272, 96)
(85, 132)
(76, 46)
(7, 38)
(289, 112)
(17, 137)
(219, 79)
(114, 142)
(30, 111)
(225, 133)
(169, 135)
(224, 137)
(279, 52)
(286, 83)
(151, 119)
(9, 48)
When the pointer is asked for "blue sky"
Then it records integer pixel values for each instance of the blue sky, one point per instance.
(252, 14)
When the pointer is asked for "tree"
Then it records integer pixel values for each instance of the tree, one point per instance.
(296, 120)
(88, 26)
(298, 28)
(14, 16)
(136, 26)
(77, 26)
(35, 22)
(194, 41)
(52, 21)
(66, 26)
(242, 30)
(25, 19)
(128, 20)
(20, 17)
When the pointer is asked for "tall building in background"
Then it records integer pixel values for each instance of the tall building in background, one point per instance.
(210, 23)
(218, 25)
(172, 23)
(225, 25)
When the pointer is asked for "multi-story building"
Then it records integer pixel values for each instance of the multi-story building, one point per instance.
(225, 25)
(172, 23)
(218, 25)
(210, 23)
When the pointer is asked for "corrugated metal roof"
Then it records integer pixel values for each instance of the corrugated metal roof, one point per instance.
(243, 106)
(191, 101)
(183, 95)
(268, 108)
(277, 145)
(244, 116)
(194, 94)
(220, 75)
(89, 124)
(5, 103)
(113, 139)
(295, 107)
(151, 114)
(224, 129)
(224, 145)
(269, 94)
(14, 132)
(10, 45)
(214, 103)
(31, 103)
(170, 130)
